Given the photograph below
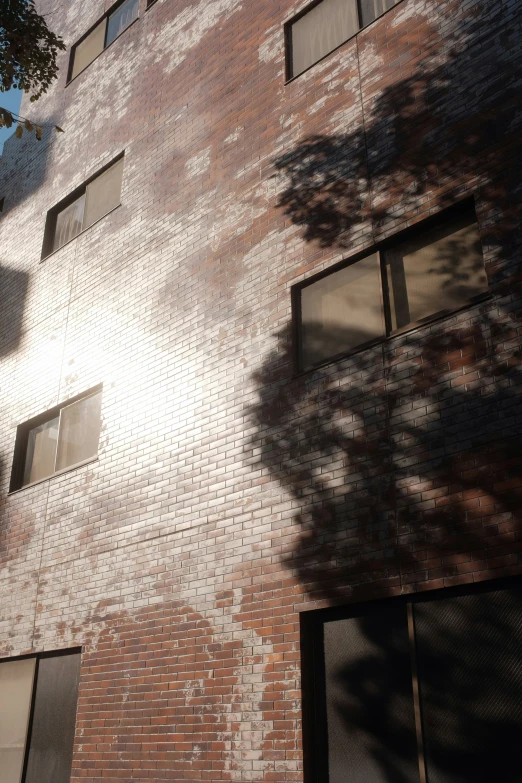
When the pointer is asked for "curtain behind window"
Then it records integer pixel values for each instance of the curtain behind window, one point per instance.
(122, 18)
(69, 222)
(321, 30)
(371, 9)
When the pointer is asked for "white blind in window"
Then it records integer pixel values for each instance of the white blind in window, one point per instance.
(89, 48)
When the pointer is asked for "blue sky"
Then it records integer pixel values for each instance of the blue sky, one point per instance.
(9, 100)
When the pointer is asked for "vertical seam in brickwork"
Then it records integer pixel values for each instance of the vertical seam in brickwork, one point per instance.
(368, 176)
(67, 322)
(385, 368)
(39, 571)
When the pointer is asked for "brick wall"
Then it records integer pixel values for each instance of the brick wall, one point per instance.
(230, 495)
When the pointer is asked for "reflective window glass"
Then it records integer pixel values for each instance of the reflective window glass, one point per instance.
(99, 197)
(341, 311)
(41, 451)
(69, 438)
(69, 222)
(54, 718)
(103, 194)
(16, 687)
(88, 49)
(438, 271)
(121, 18)
(79, 432)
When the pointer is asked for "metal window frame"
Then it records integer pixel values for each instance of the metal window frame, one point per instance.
(463, 207)
(313, 670)
(52, 214)
(22, 440)
(289, 75)
(102, 20)
(38, 657)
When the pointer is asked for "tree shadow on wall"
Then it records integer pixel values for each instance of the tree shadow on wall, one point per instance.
(470, 694)
(404, 460)
(13, 288)
(23, 168)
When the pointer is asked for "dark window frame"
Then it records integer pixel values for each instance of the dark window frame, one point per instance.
(313, 670)
(105, 18)
(52, 214)
(453, 212)
(22, 441)
(289, 76)
(38, 657)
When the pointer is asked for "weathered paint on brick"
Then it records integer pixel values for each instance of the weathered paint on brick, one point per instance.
(230, 495)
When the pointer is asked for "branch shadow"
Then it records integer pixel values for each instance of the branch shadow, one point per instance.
(404, 460)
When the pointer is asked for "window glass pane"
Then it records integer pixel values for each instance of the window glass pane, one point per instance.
(69, 222)
(103, 194)
(122, 18)
(54, 719)
(371, 9)
(341, 311)
(16, 687)
(79, 431)
(440, 271)
(470, 677)
(41, 451)
(369, 699)
(321, 30)
(89, 48)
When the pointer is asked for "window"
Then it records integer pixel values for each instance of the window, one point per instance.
(38, 699)
(60, 439)
(324, 26)
(2, 201)
(102, 35)
(84, 207)
(438, 269)
(428, 688)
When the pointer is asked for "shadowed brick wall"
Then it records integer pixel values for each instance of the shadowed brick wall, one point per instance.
(230, 495)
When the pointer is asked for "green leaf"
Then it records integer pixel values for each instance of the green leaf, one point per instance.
(19, 131)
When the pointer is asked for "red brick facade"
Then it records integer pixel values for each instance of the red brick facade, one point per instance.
(230, 493)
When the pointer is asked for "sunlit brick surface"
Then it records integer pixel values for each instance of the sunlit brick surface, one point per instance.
(230, 495)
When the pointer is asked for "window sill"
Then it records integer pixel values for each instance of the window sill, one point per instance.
(83, 231)
(409, 329)
(54, 475)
